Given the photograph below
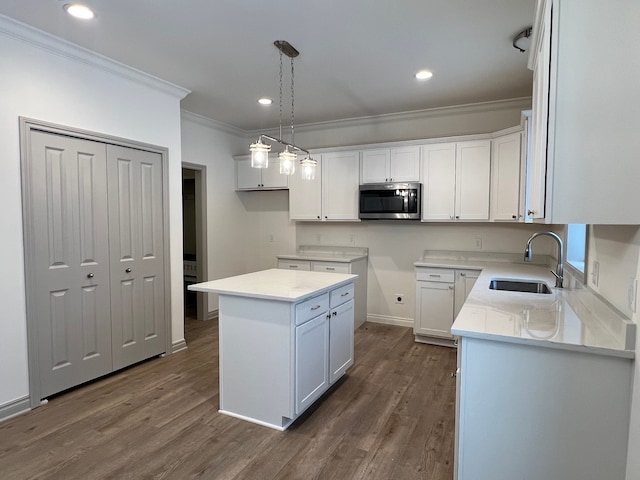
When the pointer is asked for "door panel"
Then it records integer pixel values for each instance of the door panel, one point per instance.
(70, 287)
(137, 250)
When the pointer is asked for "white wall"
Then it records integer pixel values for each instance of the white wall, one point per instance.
(394, 246)
(49, 80)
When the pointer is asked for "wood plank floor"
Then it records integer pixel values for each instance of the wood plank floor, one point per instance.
(391, 417)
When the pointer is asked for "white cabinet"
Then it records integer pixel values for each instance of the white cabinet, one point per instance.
(311, 360)
(396, 164)
(455, 178)
(587, 123)
(440, 294)
(355, 267)
(340, 340)
(248, 178)
(555, 414)
(333, 195)
(505, 177)
(465, 280)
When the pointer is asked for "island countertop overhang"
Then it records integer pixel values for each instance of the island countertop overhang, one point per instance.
(276, 284)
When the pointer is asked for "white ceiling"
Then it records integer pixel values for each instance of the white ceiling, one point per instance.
(357, 57)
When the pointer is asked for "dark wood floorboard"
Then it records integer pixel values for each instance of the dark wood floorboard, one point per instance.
(390, 417)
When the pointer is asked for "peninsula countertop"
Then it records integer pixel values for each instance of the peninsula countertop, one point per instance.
(276, 284)
(569, 319)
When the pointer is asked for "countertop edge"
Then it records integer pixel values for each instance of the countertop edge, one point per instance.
(321, 258)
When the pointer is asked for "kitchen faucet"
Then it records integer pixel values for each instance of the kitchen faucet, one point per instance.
(528, 255)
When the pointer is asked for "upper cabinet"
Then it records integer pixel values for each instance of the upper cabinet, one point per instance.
(396, 164)
(248, 178)
(455, 178)
(585, 90)
(506, 178)
(333, 195)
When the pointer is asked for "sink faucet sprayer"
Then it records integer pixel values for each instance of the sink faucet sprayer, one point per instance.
(528, 255)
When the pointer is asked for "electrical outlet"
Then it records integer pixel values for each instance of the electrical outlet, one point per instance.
(595, 273)
(632, 294)
(399, 297)
(477, 243)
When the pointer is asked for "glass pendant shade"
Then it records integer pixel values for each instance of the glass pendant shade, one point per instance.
(287, 161)
(308, 168)
(259, 155)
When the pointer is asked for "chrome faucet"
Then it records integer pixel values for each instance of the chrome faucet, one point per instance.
(528, 255)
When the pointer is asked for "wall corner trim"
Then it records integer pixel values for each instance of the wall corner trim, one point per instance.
(37, 38)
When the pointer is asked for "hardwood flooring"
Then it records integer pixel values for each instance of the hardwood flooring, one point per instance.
(390, 417)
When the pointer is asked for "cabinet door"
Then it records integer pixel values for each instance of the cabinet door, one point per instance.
(305, 196)
(434, 303)
(473, 167)
(438, 181)
(465, 280)
(505, 177)
(340, 340)
(374, 166)
(537, 161)
(340, 181)
(247, 178)
(311, 361)
(272, 178)
(404, 164)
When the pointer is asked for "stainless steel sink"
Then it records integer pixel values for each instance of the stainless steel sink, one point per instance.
(519, 286)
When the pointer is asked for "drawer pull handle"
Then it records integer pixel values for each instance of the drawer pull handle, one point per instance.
(434, 275)
(316, 307)
(331, 268)
(293, 266)
(344, 294)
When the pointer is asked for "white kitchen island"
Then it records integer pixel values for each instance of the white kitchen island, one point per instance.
(285, 337)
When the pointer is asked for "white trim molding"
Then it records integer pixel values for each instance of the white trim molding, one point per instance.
(178, 346)
(389, 320)
(14, 408)
(27, 34)
(211, 123)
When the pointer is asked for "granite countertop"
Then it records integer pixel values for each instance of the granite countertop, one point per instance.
(275, 284)
(325, 253)
(568, 319)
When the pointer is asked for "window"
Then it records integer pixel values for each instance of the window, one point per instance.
(577, 246)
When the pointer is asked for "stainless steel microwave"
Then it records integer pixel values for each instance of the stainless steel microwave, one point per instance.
(390, 201)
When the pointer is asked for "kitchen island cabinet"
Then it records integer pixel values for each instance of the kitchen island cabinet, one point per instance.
(285, 337)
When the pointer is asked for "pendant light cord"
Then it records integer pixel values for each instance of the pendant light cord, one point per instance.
(292, 103)
(281, 94)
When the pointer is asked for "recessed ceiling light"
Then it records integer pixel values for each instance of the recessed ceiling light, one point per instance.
(424, 75)
(265, 101)
(79, 11)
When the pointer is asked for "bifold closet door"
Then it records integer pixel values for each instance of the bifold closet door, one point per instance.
(136, 251)
(70, 258)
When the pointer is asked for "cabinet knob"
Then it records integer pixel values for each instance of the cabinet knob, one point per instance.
(450, 287)
(462, 274)
(514, 216)
(335, 314)
(325, 217)
(530, 212)
(89, 275)
(127, 270)
(318, 216)
(457, 216)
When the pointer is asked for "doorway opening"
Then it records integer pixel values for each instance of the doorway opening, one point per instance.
(194, 239)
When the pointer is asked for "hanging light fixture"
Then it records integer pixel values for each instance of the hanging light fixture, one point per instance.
(260, 151)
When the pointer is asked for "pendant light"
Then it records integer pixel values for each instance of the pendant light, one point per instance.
(287, 158)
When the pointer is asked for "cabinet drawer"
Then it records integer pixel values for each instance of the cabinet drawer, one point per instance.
(303, 265)
(331, 267)
(435, 275)
(340, 295)
(311, 308)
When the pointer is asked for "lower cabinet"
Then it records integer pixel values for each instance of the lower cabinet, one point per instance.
(340, 340)
(311, 360)
(440, 294)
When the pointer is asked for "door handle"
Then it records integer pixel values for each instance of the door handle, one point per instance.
(127, 270)
(89, 275)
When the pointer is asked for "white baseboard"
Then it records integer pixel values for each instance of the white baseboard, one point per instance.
(213, 314)
(14, 408)
(388, 320)
(179, 345)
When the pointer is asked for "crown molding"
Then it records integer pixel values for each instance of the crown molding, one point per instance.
(521, 103)
(37, 38)
(211, 123)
